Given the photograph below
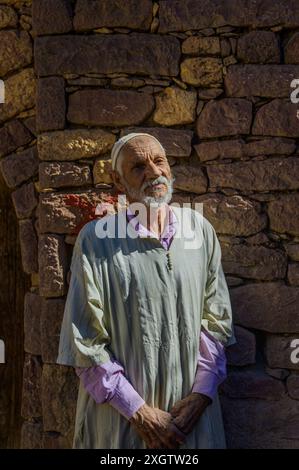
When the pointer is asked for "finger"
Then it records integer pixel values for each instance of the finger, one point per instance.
(180, 424)
(171, 439)
(184, 427)
(177, 425)
(163, 439)
(145, 436)
(155, 439)
(181, 436)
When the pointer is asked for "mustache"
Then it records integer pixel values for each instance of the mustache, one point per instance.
(160, 179)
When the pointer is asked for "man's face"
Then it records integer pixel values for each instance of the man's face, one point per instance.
(146, 172)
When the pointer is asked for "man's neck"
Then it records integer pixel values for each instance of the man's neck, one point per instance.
(156, 223)
(154, 218)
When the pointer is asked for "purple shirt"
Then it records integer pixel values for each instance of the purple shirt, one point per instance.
(108, 383)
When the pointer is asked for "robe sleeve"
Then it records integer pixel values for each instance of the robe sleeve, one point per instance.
(217, 311)
(84, 339)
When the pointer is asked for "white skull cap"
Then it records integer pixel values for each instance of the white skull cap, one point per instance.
(122, 141)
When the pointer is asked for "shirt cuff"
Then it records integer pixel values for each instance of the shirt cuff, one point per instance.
(125, 398)
(207, 384)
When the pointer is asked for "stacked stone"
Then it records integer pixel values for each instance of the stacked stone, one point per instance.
(211, 80)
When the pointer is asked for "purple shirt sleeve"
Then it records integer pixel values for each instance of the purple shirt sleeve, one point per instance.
(106, 383)
(211, 365)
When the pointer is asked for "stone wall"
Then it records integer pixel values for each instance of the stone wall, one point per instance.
(211, 79)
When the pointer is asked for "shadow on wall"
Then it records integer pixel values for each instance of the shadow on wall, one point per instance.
(14, 283)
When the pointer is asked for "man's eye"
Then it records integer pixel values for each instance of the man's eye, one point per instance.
(138, 167)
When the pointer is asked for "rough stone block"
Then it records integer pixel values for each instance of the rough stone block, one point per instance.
(67, 212)
(220, 149)
(202, 71)
(102, 172)
(293, 274)
(267, 81)
(51, 319)
(109, 107)
(175, 106)
(197, 45)
(28, 242)
(51, 16)
(135, 53)
(64, 174)
(261, 424)
(59, 397)
(24, 200)
(19, 94)
(229, 116)
(8, 17)
(50, 104)
(133, 14)
(13, 135)
(291, 50)
(254, 262)
(277, 118)
(283, 213)
(232, 215)
(19, 167)
(243, 352)
(292, 250)
(189, 178)
(74, 144)
(52, 265)
(252, 383)
(258, 47)
(275, 174)
(15, 51)
(270, 146)
(175, 15)
(267, 306)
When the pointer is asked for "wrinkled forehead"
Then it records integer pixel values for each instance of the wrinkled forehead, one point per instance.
(142, 147)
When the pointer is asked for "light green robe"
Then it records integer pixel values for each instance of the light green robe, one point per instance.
(123, 301)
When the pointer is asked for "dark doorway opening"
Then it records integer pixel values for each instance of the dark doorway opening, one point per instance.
(13, 285)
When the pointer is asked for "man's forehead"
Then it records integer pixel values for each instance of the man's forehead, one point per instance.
(141, 145)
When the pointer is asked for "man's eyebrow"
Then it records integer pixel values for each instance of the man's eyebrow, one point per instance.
(137, 161)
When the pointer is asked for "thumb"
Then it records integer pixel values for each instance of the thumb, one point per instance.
(182, 436)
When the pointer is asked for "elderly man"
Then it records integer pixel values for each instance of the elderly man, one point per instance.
(147, 316)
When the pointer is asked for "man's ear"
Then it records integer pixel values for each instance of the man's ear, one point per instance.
(117, 181)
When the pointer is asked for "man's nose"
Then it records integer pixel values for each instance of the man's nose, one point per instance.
(153, 170)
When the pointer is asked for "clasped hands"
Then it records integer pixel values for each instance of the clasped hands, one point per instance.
(168, 430)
